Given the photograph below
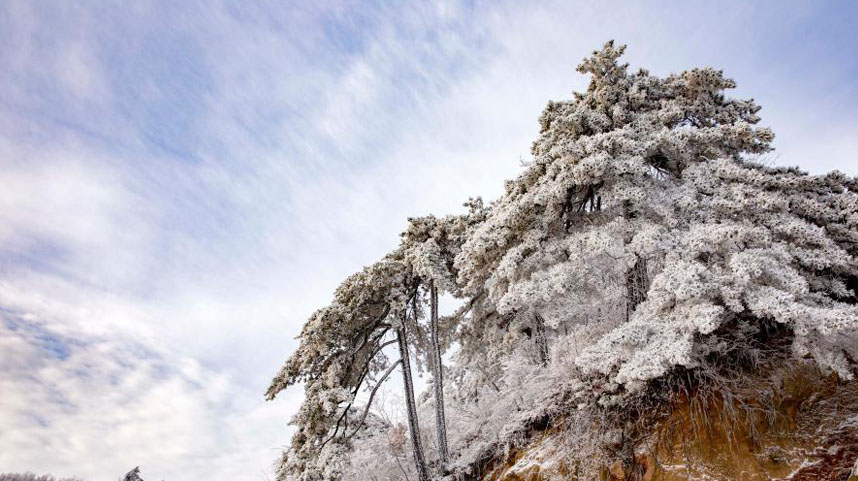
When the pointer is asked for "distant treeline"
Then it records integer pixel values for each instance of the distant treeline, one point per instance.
(133, 475)
(33, 477)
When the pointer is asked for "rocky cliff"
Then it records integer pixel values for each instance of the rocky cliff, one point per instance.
(789, 422)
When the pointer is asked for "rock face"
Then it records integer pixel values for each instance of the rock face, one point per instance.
(797, 424)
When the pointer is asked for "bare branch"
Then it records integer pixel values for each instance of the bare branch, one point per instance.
(372, 395)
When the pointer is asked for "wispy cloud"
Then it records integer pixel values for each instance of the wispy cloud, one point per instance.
(183, 183)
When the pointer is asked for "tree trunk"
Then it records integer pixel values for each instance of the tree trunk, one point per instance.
(411, 406)
(637, 285)
(438, 374)
(540, 339)
(637, 279)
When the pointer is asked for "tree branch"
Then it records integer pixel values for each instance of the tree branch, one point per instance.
(366, 365)
(354, 393)
(372, 395)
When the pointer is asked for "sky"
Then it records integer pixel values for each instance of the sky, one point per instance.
(183, 183)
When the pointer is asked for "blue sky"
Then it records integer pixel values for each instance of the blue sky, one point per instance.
(183, 183)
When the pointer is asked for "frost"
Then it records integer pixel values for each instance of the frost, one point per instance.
(642, 238)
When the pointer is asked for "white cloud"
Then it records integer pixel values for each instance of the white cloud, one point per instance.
(96, 405)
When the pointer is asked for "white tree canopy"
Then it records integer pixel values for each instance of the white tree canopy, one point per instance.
(645, 236)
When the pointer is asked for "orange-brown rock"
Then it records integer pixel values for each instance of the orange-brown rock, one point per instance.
(801, 426)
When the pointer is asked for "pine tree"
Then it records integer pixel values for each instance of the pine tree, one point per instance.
(431, 245)
(567, 239)
(645, 237)
(342, 348)
(133, 475)
(411, 406)
(438, 377)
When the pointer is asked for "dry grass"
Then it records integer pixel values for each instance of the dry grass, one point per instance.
(749, 411)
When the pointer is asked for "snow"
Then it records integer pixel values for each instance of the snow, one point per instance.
(641, 236)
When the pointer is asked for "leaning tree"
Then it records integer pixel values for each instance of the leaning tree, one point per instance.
(342, 349)
(431, 244)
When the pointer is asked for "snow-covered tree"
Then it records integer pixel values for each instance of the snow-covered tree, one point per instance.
(133, 475)
(380, 452)
(749, 244)
(32, 477)
(646, 229)
(342, 347)
(431, 245)
(566, 241)
(644, 238)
